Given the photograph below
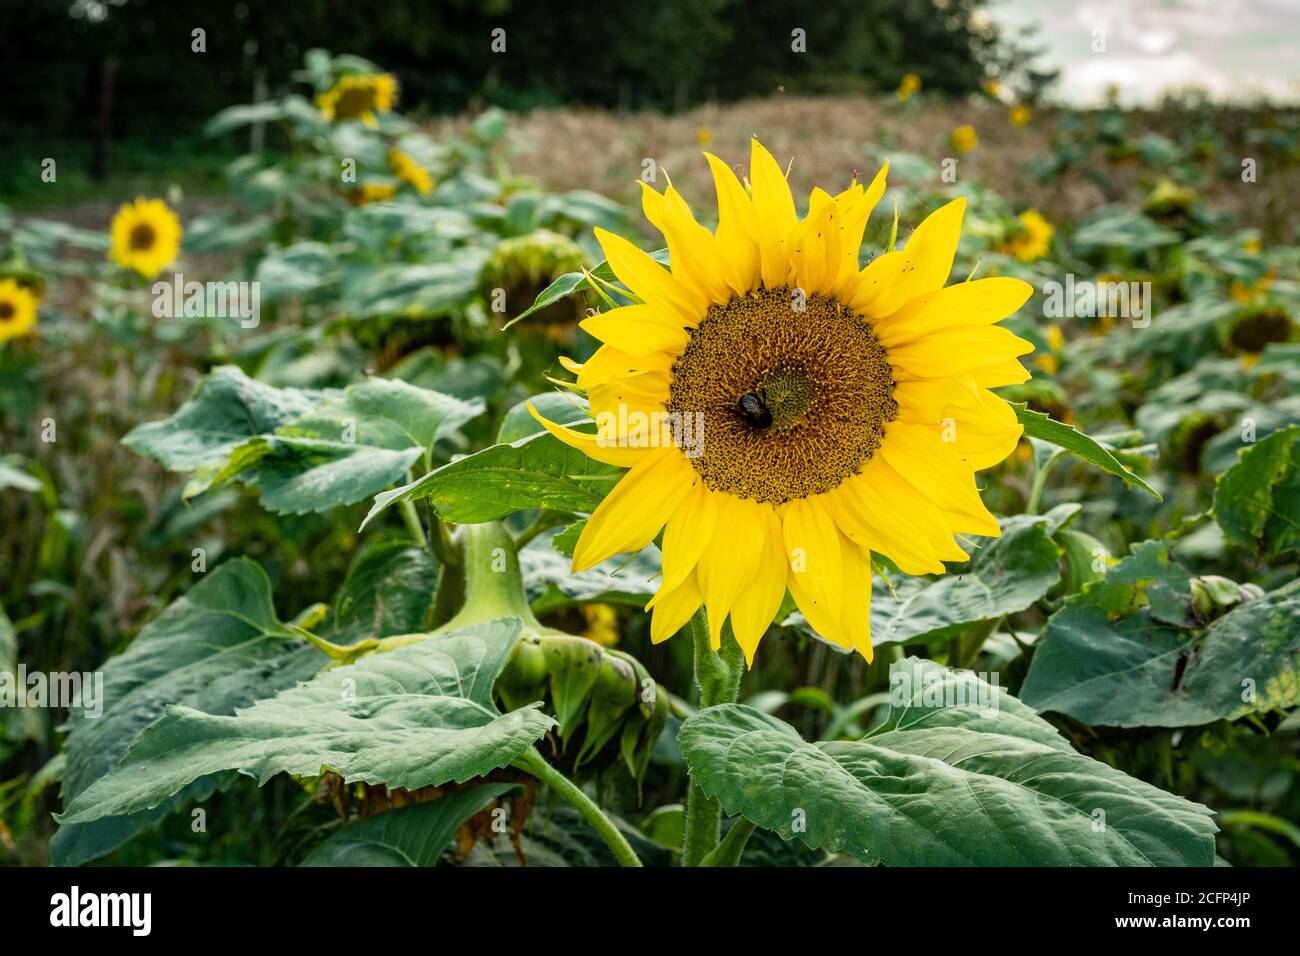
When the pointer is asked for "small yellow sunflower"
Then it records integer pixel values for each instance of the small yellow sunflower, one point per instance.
(407, 170)
(146, 237)
(833, 411)
(602, 624)
(371, 192)
(17, 310)
(964, 139)
(1034, 238)
(1019, 115)
(360, 97)
(909, 84)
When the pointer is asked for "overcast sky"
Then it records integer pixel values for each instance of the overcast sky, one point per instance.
(1232, 48)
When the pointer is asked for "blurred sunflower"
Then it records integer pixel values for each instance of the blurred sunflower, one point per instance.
(1034, 238)
(17, 310)
(371, 192)
(359, 96)
(146, 236)
(964, 139)
(407, 170)
(1018, 115)
(910, 84)
(838, 411)
(602, 624)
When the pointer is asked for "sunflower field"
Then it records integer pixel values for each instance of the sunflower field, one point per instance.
(563, 492)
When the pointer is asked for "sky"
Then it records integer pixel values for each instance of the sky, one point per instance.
(1233, 49)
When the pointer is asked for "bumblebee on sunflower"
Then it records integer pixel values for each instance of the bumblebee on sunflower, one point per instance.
(844, 410)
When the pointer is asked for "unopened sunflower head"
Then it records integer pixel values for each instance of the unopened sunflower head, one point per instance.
(785, 413)
(17, 310)
(145, 236)
(359, 96)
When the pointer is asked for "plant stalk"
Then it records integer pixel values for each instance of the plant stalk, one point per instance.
(718, 676)
(535, 764)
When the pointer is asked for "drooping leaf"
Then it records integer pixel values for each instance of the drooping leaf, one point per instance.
(1041, 426)
(539, 471)
(217, 648)
(1257, 500)
(936, 788)
(419, 716)
(408, 836)
(1129, 652)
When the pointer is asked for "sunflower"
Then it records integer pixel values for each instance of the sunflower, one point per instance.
(359, 96)
(964, 139)
(1018, 115)
(1034, 238)
(407, 170)
(367, 193)
(836, 411)
(146, 236)
(17, 310)
(909, 84)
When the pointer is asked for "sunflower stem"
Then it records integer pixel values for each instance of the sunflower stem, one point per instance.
(535, 764)
(728, 852)
(718, 676)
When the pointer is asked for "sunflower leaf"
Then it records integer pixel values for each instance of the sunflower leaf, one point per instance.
(1257, 500)
(572, 282)
(1043, 427)
(982, 782)
(418, 716)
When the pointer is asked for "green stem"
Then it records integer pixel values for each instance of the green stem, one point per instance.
(412, 519)
(729, 851)
(535, 764)
(1040, 479)
(494, 586)
(718, 677)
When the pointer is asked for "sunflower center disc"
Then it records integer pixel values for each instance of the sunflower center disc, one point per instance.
(142, 236)
(6, 311)
(793, 401)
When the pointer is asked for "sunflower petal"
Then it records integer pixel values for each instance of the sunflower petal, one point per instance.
(637, 507)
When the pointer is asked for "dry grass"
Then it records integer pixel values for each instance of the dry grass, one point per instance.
(832, 138)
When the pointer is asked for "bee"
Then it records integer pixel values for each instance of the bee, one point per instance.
(754, 412)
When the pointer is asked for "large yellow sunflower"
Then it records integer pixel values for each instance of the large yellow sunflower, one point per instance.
(842, 410)
(17, 310)
(359, 96)
(146, 236)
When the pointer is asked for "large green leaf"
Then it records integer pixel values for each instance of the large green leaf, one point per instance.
(1257, 500)
(226, 409)
(419, 716)
(217, 648)
(334, 449)
(1130, 652)
(388, 591)
(1045, 428)
(539, 471)
(1007, 574)
(941, 784)
(409, 836)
